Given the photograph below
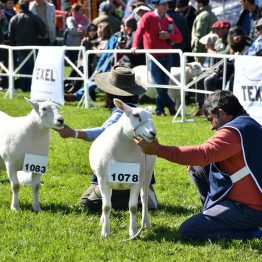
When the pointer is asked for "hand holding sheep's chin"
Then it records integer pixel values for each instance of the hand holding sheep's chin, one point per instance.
(66, 132)
(149, 148)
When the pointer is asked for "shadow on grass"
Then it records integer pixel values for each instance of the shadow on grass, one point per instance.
(177, 210)
(4, 181)
(169, 234)
(54, 208)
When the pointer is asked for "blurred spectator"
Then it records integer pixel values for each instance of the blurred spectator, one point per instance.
(182, 25)
(248, 15)
(76, 27)
(3, 52)
(209, 41)
(138, 12)
(132, 5)
(221, 28)
(90, 42)
(257, 44)
(238, 40)
(25, 29)
(239, 43)
(254, 34)
(158, 31)
(9, 9)
(46, 11)
(130, 60)
(215, 80)
(202, 25)
(188, 11)
(105, 14)
(8, 12)
(104, 33)
(120, 40)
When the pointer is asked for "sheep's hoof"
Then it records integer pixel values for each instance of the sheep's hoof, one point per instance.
(147, 225)
(132, 233)
(104, 234)
(37, 209)
(15, 208)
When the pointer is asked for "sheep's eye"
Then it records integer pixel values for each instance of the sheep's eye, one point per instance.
(138, 116)
(44, 109)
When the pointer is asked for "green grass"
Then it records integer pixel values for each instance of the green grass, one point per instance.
(64, 232)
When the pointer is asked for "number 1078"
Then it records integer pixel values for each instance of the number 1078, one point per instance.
(125, 177)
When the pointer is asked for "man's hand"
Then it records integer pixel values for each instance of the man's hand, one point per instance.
(66, 132)
(164, 35)
(149, 148)
(133, 50)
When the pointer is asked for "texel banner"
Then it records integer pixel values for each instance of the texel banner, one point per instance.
(48, 74)
(248, 84)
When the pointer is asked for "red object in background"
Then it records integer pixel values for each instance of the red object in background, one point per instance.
(60, 15)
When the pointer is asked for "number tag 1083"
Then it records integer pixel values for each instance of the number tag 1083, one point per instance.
(35, 164)
(120, 172)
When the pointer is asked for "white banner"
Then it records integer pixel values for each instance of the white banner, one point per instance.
(47, 79)
(248, 84)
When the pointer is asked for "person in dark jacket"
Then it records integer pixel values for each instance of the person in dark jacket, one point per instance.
(248, 15)
(24, 30)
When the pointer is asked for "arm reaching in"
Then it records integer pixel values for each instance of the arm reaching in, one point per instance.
(149, 148)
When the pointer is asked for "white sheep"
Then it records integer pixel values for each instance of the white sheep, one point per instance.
(27, 135)
(116, 144)
(193, 69)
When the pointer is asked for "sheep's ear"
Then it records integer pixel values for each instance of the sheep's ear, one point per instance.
(189, 65)
(31, 102)
(122, 106)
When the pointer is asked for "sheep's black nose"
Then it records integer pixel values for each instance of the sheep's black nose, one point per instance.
(60, 120)
(153, 134)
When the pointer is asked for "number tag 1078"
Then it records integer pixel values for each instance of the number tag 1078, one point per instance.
(120, 172)
(35, 164)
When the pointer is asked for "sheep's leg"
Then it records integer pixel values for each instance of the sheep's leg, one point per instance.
(12, 174)
(145, 214)
(133, 200)
(35, 188)
(106, 193)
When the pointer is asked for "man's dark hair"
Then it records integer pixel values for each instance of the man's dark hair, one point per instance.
(204, 2)
(131, 23)
(225, 100)
(252, 2)
(24, 5)
(126, 99)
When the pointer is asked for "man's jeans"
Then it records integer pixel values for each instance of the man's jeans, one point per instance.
(159, 77)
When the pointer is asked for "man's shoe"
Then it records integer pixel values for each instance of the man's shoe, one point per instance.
(69, 97)
(160, 113)
(258, 232)
(86, 194)
(172, 110)
(152, 199)
(198, 112)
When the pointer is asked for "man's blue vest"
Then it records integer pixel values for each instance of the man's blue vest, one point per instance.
(251, 141)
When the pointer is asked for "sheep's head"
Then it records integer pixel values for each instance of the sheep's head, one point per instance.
(48, 113)
(139, 121)
(195, 69)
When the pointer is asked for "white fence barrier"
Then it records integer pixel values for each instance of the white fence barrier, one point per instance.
(12, 71)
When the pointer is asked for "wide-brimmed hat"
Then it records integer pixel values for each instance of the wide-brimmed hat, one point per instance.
(119, 81)
(259, 23)
(210, 38)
